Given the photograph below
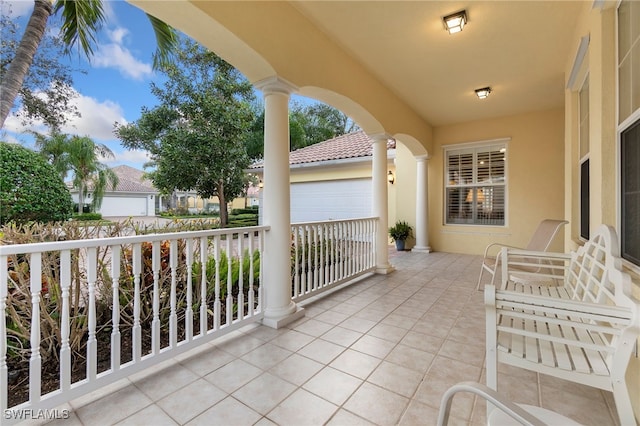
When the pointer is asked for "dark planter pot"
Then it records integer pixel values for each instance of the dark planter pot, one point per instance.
(400, 245)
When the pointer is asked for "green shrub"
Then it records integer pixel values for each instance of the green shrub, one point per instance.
(87, 216)
(30, 188)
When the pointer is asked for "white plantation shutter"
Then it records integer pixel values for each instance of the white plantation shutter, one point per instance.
(475, 185)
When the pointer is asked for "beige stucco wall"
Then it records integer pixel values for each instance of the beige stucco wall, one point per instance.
(604, 207)
(535, 177)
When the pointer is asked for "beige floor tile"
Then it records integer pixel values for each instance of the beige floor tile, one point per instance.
(296, 369)
(302, 408)
(411, 358)
(240, 345)
(358, 324)
(377, 405)
(398, 320)
(205, 362)
(152, 415)
(419, 414)
(422, 341)
(355, 363)
(341, 336)
(228, 412)
(191, 400)
(373, 346)
(266, 356)
(331, 317)
(264, 393)
(114, 407)
(345, 418)
(292, 340)
(313, 327)
(396, 378)
(471, 353)
(163, 383)
(587, 411)
(346, 308)
(333, 385)
(388, 332)
(233, 375)
(322, 351)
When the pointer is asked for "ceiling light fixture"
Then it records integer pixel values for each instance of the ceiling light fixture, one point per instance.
(390, 177)
(483, 93)
(455, 22)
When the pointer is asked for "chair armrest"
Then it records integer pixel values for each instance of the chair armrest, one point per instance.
(486, 250)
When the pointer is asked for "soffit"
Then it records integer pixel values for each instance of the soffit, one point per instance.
(518, 48)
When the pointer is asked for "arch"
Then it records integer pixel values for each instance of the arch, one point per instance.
(416, 147)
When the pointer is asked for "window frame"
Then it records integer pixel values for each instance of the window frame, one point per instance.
(477, 147)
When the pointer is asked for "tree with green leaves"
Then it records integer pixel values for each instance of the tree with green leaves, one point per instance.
(196, 135)
(47, 90)
(81, 21)
(81, 156)
(308, 125)
(30, 188)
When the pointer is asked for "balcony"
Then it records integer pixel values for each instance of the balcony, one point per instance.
(380, 350)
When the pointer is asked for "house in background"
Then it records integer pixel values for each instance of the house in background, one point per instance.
(133, 196)
(331, 180)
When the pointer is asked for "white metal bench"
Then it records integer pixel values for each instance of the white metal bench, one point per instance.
(583, 330)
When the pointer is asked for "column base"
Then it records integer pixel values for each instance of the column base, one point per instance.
(282, 320)
(418, 249)
(384, 269)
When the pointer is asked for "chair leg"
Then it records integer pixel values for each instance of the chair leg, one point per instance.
(480, 277)
(623, 404)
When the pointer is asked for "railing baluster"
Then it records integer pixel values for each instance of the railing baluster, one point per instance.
(173, 315)
(92, 342)
(216, 300)
(136, 332)
(316, 284)
(240, 314)
(260, 271)
(296, 260)
(251, 301)
(305, 266)
(115, 309)
(65, 325)
(4, 371)
(188, 318)
(155, 322)
(204, 253)
(35, 361)
(229, 299)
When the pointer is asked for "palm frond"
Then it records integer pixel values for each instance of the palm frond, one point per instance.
(167, 40)
(81, 21)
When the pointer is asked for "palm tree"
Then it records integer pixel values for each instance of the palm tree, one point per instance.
(81, 21)
(88, 173)
(54, 148)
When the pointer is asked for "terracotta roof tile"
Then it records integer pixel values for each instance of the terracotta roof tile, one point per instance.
(351, 145)
(131, 180)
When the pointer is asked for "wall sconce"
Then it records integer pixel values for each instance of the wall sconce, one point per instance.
(261, 184)
(390, 177)
(455, 22)
(483, 93)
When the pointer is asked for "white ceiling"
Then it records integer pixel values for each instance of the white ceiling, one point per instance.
(519, 48)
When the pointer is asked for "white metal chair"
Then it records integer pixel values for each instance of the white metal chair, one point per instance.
(540, 241)
(505, 412)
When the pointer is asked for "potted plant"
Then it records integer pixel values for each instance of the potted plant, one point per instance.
(399, 233)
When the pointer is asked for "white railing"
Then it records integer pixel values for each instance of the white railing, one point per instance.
(327, 254)
(118, 305)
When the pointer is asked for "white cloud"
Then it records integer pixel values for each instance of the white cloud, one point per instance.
(116, 55)
(18, 8)
(96, 121)
(132, 156)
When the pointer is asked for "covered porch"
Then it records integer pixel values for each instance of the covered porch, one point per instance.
(380, 351)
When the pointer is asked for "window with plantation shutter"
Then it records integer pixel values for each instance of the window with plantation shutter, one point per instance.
(630, 193)
(475, 184)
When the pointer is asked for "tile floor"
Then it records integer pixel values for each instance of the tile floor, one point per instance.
(379, 352)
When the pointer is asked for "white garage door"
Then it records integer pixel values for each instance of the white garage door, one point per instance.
(338, 199)
(124, 206)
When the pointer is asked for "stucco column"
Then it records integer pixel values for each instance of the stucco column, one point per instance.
(422, 206)
(277, 305)
(380, 207)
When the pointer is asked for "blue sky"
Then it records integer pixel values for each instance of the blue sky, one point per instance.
(116, 84)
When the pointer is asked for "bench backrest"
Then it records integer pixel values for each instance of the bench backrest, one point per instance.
(595, 271)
